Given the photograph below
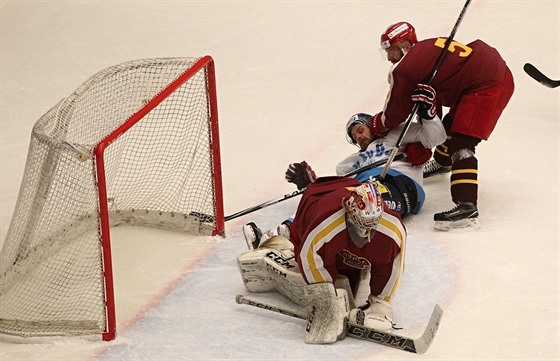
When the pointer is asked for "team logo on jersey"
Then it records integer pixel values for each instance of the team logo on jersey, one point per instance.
(350, 259)
(374, 152)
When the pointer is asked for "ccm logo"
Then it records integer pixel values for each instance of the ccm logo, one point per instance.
(279, 259)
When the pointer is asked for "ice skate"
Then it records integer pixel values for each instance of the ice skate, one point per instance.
(284, 229)
(254, 236)
(433, 168)
(463, 215)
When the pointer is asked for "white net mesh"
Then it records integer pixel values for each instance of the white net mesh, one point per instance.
(160, 172)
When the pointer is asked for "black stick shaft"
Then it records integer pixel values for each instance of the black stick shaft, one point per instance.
(434, 73)
(299, 192)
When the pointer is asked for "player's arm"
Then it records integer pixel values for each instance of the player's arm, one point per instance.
(430, 133)
(320, 242)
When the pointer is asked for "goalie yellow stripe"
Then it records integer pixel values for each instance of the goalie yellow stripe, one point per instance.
(313, 264)
(464, 181)
(398, 263)
(462, 171)
(392, 227)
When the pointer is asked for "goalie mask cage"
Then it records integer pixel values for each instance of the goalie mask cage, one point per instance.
(135, 144)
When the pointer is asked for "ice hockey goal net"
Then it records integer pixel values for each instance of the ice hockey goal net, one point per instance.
(135, 144)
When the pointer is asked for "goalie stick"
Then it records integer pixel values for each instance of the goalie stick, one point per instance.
(540, 77)
(415, 345)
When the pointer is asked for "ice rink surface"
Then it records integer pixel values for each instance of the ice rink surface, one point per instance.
(289, 75)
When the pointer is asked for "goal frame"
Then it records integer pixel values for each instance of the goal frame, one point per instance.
(136, 144)
(99, 150)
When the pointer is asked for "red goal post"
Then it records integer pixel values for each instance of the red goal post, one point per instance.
(136, 144)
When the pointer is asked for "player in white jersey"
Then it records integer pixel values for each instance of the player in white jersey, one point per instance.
(418, 140)
(402, 188)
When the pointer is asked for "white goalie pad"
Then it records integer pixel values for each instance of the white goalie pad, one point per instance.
(342, 282)
(254, 273)
(327, 310)
(272, 267)
(261, 268)
(285, 275)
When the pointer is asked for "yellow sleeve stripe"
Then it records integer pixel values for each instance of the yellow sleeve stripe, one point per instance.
(398, 270)
(392, 227)
(312, 263)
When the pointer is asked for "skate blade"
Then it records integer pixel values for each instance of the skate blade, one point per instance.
(464, 224)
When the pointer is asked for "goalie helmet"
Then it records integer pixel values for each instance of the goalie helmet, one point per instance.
(364, 207)
(397, 33)
(359, 118)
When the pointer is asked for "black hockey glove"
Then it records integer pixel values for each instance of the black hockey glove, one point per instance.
(425, 96)
(300, 174)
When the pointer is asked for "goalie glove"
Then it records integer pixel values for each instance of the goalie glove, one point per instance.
(376, 314)
(300, 174)
(425, 96)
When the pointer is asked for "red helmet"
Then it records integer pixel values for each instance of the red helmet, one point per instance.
(364, 207)
(398, 33)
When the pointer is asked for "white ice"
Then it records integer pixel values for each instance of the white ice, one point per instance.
(289, 75)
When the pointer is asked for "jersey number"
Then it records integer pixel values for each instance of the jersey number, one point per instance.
(464, 50)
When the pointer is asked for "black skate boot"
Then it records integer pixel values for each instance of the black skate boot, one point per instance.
(433, 168)
(463, 215)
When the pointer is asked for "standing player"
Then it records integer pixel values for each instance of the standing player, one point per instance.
(473, 81)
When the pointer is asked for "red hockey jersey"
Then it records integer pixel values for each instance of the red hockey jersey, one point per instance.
(465, 69)
(323, 246)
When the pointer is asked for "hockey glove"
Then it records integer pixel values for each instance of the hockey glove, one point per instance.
(376, 126)
(417, 154)
(300, 174)
(425, 96)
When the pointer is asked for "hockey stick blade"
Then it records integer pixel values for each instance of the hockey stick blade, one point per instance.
(415, 345)
(540, 77)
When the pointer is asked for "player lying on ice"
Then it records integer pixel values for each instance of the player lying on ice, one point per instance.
(344, 231)
(402, 188)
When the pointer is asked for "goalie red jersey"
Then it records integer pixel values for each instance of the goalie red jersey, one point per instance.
(324, 247)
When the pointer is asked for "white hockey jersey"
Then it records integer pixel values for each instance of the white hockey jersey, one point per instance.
(430, 133)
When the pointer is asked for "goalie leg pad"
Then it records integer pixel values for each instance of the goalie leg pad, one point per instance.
(327, 312)
(344, 283)
(254, 271)
(285, 276)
